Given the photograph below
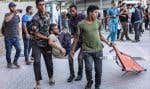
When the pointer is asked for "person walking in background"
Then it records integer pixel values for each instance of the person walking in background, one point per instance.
(113, 13)
(141, 10)
(10, 30)
(146, 18)
(119, 24)
(130, 8)
(136, 20)
(124, 22)
(25, 33)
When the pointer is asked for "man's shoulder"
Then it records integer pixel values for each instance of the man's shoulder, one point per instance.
(52, 37)
(48, 14)
(36, 17)
(81, 16)
(25, 17)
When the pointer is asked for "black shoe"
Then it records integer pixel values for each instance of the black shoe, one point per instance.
(70, 79)
(134, 41)
(121, 39)
(16, 64)
(79, 77)
(9, 65)
(128, 39)
(97, 88)
(89, 85)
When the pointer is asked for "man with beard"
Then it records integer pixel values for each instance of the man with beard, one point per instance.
(10, 30)
(75, 18)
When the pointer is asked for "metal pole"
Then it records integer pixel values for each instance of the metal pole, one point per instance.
(101, 4)
(74, 2)
(85, 4)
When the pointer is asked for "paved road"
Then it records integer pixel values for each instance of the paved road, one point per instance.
(23, 78)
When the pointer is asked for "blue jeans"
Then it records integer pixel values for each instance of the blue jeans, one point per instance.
(9, 43)
(89, 58)
(27, 47)
(137, 31)
(113, 32)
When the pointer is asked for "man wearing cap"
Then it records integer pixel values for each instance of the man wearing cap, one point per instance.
(11, 34)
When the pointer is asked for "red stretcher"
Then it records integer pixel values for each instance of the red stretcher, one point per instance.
(128, 64)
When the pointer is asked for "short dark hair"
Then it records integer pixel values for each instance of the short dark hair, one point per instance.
(112, 1)
(123, 4)
(52, 25)
(92, 8)
(119, 2)
(28, 8)
(37, 1)
(71, 6)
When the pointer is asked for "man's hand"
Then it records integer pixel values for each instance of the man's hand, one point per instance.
(63, 51)
(27, 36)
(72, 53)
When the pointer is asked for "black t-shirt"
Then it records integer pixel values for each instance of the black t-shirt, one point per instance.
(123, 18)
(11, 27)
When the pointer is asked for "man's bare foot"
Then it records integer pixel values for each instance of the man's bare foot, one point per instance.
(38, 85)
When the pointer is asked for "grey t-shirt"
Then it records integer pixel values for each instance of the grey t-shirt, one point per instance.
(11, 27)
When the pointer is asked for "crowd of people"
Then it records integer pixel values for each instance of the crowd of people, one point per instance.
(48, 39)
(126, 18)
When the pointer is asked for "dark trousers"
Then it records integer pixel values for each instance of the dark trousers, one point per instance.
(9, 43)
(137, 30)
(146, 23)
(125, 31)
(27, 47)
(89, 58)
(118, 33)
(80, 63)
(141, 29)
(47, 54)
(130, 28)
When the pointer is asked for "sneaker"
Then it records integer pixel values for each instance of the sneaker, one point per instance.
(97, 88)
(51, 82)
(70, 79)
(9, 65)
(16, 64)
(79, 77)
